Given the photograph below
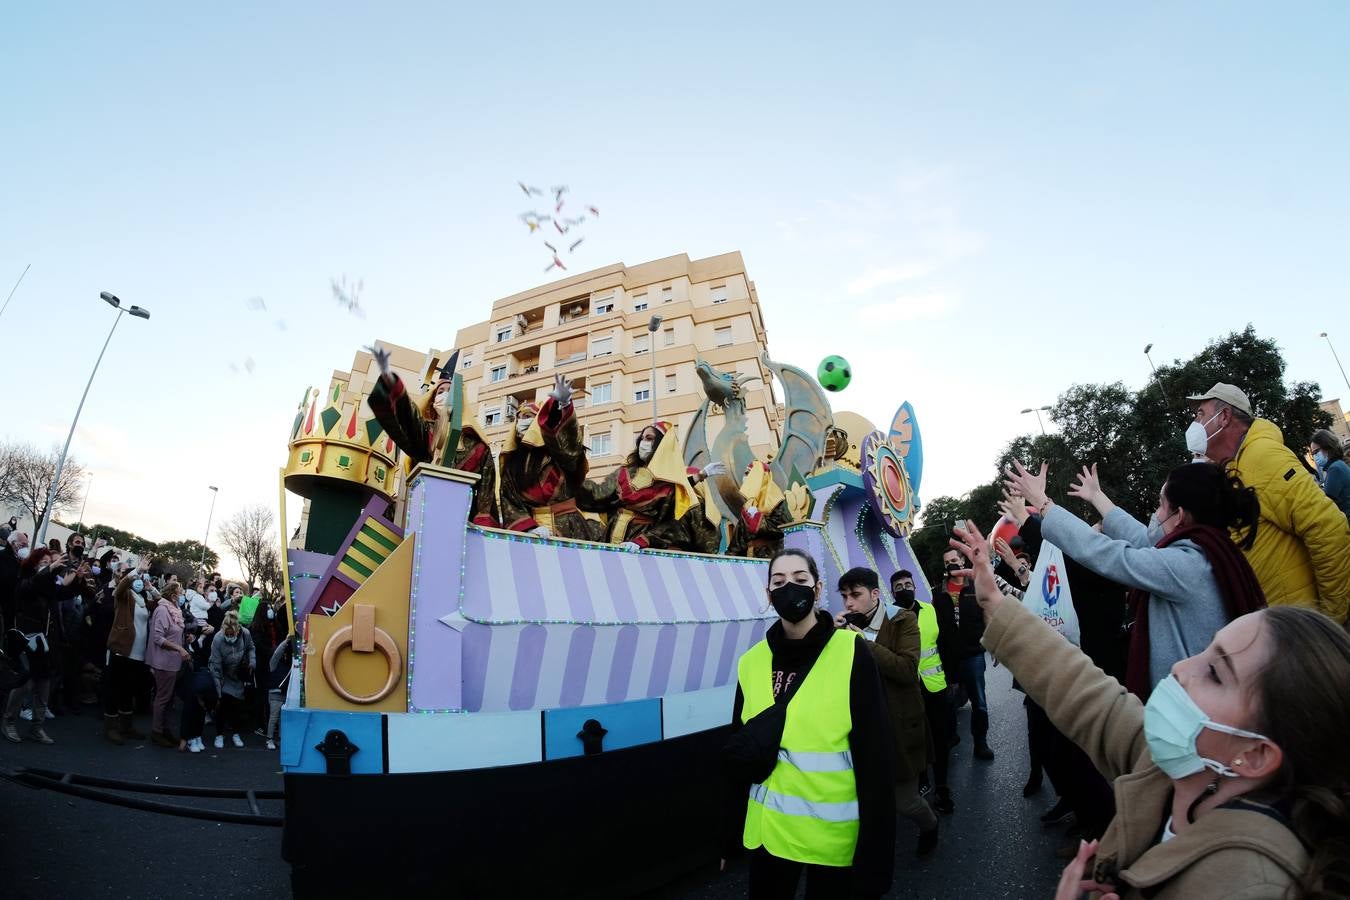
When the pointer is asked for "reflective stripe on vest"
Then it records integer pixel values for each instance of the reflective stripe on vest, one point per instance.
(796, 806)
(934, 679)
(807, 809)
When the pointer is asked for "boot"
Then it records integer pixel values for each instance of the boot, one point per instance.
(10, 732)
(129, 729)
(160, 739)
(110, 729)
(37, 734)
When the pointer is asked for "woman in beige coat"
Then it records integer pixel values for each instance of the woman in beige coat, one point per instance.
(1233, 782)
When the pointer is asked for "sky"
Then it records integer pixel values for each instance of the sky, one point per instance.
(977, 205)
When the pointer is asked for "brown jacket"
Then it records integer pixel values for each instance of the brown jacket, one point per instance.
(1240, 850)
(123, 633)
(896, 652)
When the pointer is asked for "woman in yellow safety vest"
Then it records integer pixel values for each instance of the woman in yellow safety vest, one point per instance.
(827, 807)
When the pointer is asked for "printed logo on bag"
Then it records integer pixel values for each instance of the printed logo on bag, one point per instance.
(1050, 585)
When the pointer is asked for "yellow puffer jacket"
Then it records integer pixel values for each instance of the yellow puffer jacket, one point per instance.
(1302, 550)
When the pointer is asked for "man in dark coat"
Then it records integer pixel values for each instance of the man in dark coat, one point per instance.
(893, 636)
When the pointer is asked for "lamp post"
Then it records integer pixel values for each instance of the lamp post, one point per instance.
(1037, 410)
(87, 488)
(116, 304)
(215, 492)
(652, 326)
(1162, 390)
(1336, 357)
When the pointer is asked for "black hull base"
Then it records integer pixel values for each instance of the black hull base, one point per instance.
(613, 825)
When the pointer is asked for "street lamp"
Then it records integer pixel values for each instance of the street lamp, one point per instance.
(1037, 410)
(87, 488)
(215, 492)
(1337, 358)
(116, 304)
(1162, 390)
(652, 325)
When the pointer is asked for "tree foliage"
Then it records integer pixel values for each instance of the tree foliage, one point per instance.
(1135, 437)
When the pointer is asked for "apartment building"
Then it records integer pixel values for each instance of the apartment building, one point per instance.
(595, 327)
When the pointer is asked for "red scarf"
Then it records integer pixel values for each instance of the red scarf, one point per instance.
(1237, 583)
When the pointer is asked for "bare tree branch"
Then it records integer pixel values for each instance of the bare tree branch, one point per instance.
(250, 536)
(27, 479)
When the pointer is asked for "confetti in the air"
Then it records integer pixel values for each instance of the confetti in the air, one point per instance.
(535, 220)
(349, 296)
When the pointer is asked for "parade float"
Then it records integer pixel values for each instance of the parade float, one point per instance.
(485, 712)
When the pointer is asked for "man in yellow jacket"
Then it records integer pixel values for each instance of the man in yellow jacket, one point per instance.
(1302, 550)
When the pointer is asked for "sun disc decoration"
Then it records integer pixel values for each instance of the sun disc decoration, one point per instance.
(887, 485)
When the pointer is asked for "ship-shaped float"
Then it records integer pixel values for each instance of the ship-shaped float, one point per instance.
(483, 712)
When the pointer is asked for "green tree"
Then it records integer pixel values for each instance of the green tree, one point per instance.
(188, 551)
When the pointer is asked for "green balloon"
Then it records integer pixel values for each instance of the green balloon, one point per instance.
(834, 373)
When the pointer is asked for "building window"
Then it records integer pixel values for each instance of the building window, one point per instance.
(504, 333)
(640, 345)
(667, 294)
(642, 392)
(719, 294)
(604, 306)
(496, 374)
(570, 350)
(492, 417)
(640, 306)
(602, 393)
(602, 346)
(670, 336)
(602, 444)
(468, 361)
(671, 385)
(723, 336)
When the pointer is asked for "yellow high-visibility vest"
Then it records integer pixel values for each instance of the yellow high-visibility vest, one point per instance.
(930, 664)
(807, 809)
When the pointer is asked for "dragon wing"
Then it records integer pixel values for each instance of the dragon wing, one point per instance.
(696, 443)
(804, 429)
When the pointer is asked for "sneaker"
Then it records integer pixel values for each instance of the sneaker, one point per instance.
(1058, 814)
(10, 732)
(219, 743)
(195, 745)
(37, 734)
(237, 740)
(26, 714)
(271, 744)
(983, 752)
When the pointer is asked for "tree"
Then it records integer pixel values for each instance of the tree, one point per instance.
(122, 540)
(29, 473)
(270, 576)
(249, 535)
(188, 551)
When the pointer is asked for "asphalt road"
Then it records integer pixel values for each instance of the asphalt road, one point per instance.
(53, 846)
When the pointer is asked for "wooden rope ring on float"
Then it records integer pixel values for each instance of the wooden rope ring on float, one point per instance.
(383, 642)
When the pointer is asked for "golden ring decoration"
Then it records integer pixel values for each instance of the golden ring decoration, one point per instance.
(383, 642)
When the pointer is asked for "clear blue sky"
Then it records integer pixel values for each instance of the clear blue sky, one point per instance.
(977, 205)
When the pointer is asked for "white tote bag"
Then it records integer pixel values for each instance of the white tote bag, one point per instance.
(1048, 595)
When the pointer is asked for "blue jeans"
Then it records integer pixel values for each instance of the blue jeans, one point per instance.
(970, 675)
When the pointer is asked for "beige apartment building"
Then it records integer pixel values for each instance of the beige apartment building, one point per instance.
(594, 328)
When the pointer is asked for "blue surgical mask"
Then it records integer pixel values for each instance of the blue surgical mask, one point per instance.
(1172, 722)
(1321, 459)
(138, 585)
(97, 570)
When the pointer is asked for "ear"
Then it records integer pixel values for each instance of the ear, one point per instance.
(1259, 761)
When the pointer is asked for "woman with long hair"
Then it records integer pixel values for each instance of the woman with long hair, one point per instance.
(1232, 780)
(1333, 473)
(1187, 577)
(823, 802)
(133, 603)
(30, 635)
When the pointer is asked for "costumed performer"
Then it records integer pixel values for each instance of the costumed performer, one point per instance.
(762, 512)
(649, 497)
(542, 464)
(422, 429)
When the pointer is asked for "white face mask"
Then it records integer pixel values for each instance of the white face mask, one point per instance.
(645, 449)
(211, 595)
(441, 399)
(1198, 438)
(523, 425)
(23, 553)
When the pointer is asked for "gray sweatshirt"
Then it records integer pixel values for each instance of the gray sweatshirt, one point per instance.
(1185, 607)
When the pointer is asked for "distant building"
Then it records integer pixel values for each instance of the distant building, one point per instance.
(1340, 425)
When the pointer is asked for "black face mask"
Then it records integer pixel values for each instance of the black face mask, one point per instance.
(953, 568)
(77, 551)
(793, 601)
(905, 597)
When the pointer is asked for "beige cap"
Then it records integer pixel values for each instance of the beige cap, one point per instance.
(1230, 394)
